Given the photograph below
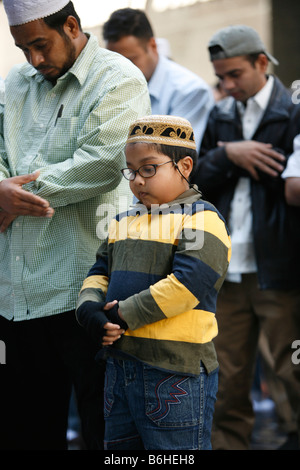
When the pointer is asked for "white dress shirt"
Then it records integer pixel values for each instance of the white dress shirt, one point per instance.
(175, 90)
(240, 217)
(293, 164)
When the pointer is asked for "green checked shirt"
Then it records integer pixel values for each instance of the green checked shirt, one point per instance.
(79, 153)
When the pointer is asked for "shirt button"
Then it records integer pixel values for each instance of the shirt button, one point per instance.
(17, 258)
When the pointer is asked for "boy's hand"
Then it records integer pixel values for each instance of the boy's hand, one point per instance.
(112, 312)
(91, 316)
(112, 333)
(115, 329)
(100, 322)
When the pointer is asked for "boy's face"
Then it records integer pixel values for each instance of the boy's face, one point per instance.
(166, 184)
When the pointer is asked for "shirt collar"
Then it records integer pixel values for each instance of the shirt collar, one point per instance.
(80, 68)
(262, 97)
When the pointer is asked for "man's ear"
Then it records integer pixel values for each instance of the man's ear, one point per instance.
(262, 62)
(71, 27)
(152, 44)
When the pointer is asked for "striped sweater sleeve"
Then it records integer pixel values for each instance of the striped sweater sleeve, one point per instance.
(94, 287)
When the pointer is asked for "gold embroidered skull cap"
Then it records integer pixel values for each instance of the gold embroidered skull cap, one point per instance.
(158, 129)
(24, 11)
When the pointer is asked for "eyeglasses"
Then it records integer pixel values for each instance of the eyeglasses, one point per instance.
(146, 171)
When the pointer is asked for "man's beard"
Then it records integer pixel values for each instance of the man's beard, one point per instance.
(71, 57)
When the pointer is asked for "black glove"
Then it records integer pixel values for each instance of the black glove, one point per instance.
(92, 317)
(113, 317)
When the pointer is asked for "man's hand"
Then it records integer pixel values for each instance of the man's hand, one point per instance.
(5, 220)
(14, 200)
(252, 156)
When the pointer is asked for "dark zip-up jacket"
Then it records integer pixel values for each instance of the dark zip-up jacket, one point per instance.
(276, 226)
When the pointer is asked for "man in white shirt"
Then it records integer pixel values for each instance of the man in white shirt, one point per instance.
(291, 175)
(174, 90)
(244, 150)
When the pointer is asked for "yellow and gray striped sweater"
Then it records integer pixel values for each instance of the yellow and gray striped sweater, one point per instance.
(165, 267)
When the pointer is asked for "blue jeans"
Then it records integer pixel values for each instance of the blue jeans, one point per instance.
(146, 408)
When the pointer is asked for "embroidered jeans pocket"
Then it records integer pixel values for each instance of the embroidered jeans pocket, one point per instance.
(110, 381)
(171, 400)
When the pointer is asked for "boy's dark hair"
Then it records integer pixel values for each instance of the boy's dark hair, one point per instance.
(177, 153)
(127, 22)
(57, 20)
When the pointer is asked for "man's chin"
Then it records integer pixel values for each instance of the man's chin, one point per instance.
(49, 74)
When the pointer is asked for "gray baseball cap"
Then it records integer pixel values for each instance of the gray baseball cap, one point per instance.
(235, 41)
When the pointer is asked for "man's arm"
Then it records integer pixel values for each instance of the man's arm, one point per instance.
(14, 200)
(94, 167)
(251, 156)
(17, 201)
(220, 161)
(291, 175)
(292, 191)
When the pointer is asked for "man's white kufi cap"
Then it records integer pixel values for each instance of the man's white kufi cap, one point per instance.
(23, 11)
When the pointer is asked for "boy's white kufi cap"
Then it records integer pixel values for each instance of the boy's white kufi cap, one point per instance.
(23, 11)
(157, 129)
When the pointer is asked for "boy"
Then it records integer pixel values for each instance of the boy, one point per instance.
(151, 296)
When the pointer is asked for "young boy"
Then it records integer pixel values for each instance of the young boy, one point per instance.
(150, 298)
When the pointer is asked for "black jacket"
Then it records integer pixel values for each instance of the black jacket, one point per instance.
(276, 226)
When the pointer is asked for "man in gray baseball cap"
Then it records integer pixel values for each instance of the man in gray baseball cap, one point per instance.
(247, 143)
(236, 41)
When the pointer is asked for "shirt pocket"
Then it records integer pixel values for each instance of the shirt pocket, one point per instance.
(61, 140)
